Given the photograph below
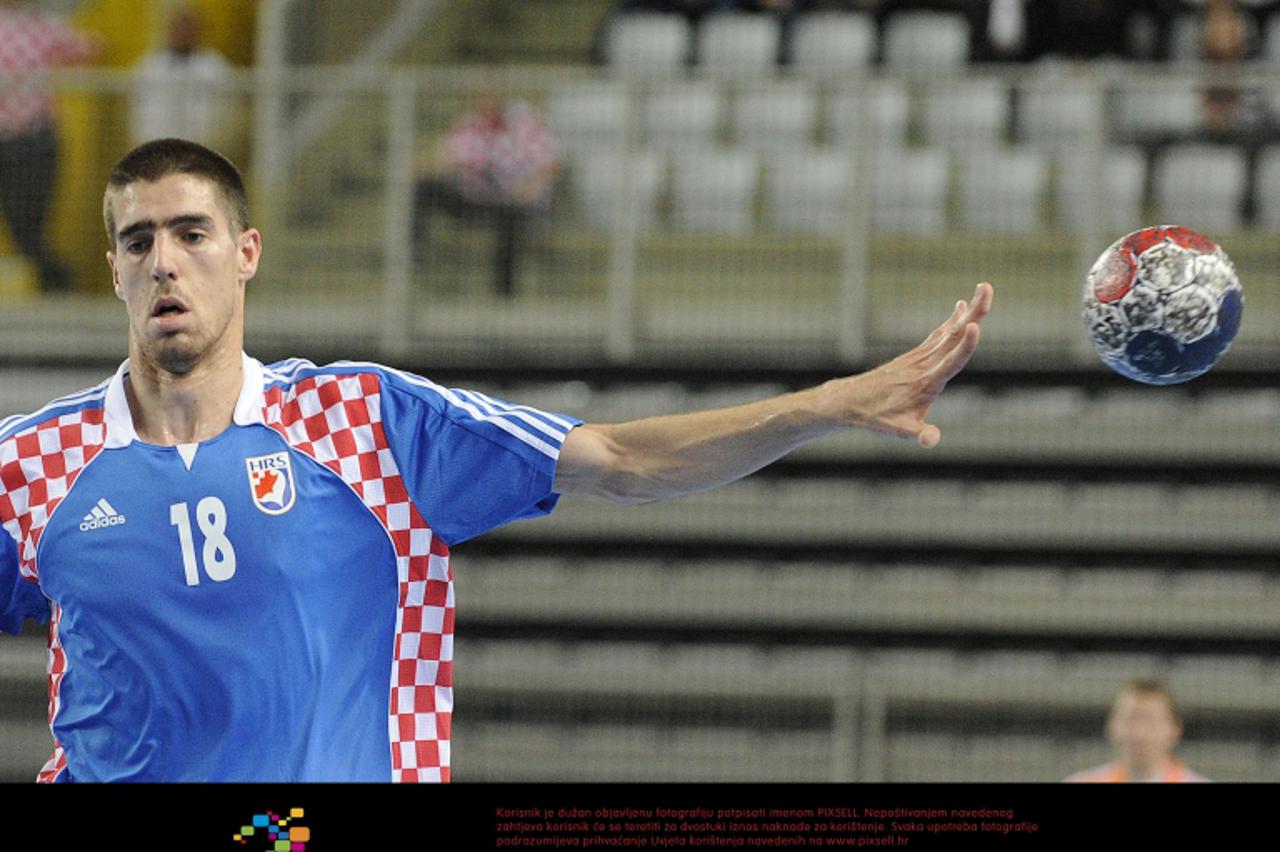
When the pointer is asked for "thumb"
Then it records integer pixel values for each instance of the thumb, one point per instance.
(929, 436)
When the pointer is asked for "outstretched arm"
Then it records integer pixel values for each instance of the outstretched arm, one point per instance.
(659, 457)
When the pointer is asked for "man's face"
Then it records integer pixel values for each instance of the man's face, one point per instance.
(184, 32)
(180, 270)
(1143, 728)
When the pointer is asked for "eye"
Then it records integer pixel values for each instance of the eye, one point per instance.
(137, 246)
(192, 237)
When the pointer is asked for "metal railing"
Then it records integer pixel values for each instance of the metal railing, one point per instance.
(332, 159)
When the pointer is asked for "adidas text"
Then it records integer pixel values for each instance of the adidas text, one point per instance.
(102, 515)
(97, 523)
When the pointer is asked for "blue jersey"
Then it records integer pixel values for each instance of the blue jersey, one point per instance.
(276, 603)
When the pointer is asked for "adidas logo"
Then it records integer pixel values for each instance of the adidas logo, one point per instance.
(103, 515)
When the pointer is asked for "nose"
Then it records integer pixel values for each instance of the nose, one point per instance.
(163, 259)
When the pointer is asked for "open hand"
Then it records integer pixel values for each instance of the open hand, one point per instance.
(894, 398)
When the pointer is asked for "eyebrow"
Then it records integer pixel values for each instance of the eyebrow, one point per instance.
(146, 225)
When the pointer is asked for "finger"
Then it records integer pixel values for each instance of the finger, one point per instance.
(981, 304)
(942, 331)
(955, 360)
(975, 310)
(950, 333)
(929, 436)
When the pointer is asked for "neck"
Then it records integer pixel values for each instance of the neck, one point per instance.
(183, 408)
(1142, 770)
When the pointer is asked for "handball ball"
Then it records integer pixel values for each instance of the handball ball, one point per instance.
(1162, 305)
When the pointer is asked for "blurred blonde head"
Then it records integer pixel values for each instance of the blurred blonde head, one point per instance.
(1144, 727)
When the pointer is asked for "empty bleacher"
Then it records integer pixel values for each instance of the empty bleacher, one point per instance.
(863, 610)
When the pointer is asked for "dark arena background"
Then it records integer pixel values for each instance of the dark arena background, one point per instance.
(745, 203)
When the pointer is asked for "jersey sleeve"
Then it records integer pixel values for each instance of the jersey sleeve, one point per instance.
(471, 462)
(19, 598)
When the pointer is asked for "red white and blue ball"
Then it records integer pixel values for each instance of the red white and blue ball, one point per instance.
(1162, 305)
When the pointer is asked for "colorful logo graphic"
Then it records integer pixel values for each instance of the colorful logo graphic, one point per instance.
(271, 482)
(275, 833)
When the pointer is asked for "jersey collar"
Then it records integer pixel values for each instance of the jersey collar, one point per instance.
(119, 421)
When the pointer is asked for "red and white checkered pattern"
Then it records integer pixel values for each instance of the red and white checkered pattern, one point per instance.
(501, 154)
(38, 466)
(31, 42)
(57, 668)
(337, 420)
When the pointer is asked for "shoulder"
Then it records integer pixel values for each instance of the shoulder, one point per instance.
(67, 409)
(369, 378)
(403, 398)
(298, 379)
(41, 452)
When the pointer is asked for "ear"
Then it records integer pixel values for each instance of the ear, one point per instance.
(249, 250)
(115, 275)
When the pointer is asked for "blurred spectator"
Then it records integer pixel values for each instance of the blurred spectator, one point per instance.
(1005, 32)
(1230, 35)
(1144, 730)
(1229, 39)
(496, 165)
(31, 42)
(183, 89)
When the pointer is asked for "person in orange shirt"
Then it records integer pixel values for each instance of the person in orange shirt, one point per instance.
(1144, 729)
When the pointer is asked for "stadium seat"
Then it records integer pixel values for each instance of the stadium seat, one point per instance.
(918, 580)
(922, 758)
(909, 191)
(775, 116)
(590, 115)
(600, 186)
(1201, 186)
(1008, 757)
(1209, 673)
(966, 114)
(714, 191)
(1120, 184)
(733, 46)
(1010, 586)
(647, 44)
(1061, 112)
(830, 44)
(885, 103)
(682, 115)
(807, 191)
(1267, 188)
(1186, 37)
(1098, 673)
(1225, 759)
(921, 41)
(1152, 108)
(1271, 40)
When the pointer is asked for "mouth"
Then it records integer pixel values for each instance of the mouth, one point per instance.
(168, 306)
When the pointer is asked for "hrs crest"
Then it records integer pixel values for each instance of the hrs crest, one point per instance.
(271, 482)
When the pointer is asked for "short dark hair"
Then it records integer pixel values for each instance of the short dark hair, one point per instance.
(160, 158)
